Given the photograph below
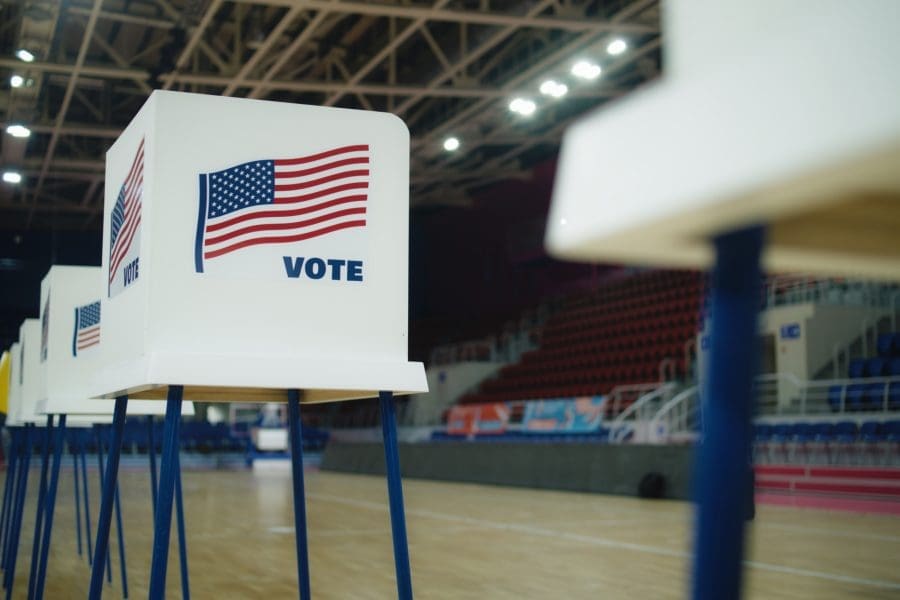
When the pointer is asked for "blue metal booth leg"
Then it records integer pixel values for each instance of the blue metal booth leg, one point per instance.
(50, 503)
(39, 515)
(182, 536)
(98, 438)
(723, 466)
(296, 432)
(152, 452)
(162, 522)
(110, 480)
(395, 495)
(87, 498)
(73, 448)
(8, 490)
(121, 535)
(120, 531)
(12, 550)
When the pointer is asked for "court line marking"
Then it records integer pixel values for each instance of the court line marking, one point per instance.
(602, 542)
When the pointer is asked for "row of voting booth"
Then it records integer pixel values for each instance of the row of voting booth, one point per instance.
(263, 261)
(49, 406)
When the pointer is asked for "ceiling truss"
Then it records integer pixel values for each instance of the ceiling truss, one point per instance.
(448, 67)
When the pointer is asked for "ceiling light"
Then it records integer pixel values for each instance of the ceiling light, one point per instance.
(12, 177)
(451, 144)
(24, 55)
(19, 131)
(523, 106)
(584, 69)
(16, 81)
(554, 89)
(617, 46)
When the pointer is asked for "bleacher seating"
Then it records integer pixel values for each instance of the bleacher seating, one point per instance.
(870, 395)
(827, 442)
(194, 436)
(614, 336)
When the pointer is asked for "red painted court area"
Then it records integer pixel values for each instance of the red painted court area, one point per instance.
(854, 489)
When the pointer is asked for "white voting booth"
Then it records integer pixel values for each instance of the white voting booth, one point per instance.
(761, 117)
(29, 373)
(256, 251)
(15, 386)
(774, 122)
(252, 247)
(73, 332)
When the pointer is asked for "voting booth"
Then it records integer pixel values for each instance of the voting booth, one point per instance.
(252, 247)
(22, 421)
(13, 494)
(256, 251)
(72, 334)
(30, 372)
(15, 385)
(4, 381)
(766, 142)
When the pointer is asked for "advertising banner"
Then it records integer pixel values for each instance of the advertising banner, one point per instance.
(478, 418)
(573, 415)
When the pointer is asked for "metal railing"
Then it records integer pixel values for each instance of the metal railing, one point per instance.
(785, 394)
(797, 288)
(679, 418)
(641, 409)
(621, 397)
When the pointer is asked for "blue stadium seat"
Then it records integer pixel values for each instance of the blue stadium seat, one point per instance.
(804, 432)
(834, 397)
(822, 432)
(894, 396)
(856, 396)
(875, 367)
(874, 396)
(784, 432)
(885, 344)
(856, 368)
(894, 367)
(892, 431)
(871, 431)
(845, 432)
(762, 432)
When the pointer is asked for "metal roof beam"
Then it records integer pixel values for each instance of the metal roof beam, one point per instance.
(471, 57)
(395, 42)
(67, 100)
(531, 19)
(196, 37)
(275, 35)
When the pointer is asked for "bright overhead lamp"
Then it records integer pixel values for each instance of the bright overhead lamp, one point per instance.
(12, 177)
(584, 69)
(24, 55)
(554, 89)
(19, 131)
(451, 144)
(16, 81)
(617, 47)
(523, 106)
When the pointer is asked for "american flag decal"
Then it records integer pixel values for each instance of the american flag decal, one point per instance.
(45, 328)
(125, 219)
(282, 201)
(87, 327)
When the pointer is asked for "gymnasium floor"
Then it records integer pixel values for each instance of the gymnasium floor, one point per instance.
(466, 541)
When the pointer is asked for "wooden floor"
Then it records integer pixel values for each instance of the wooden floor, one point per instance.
(466, 541)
